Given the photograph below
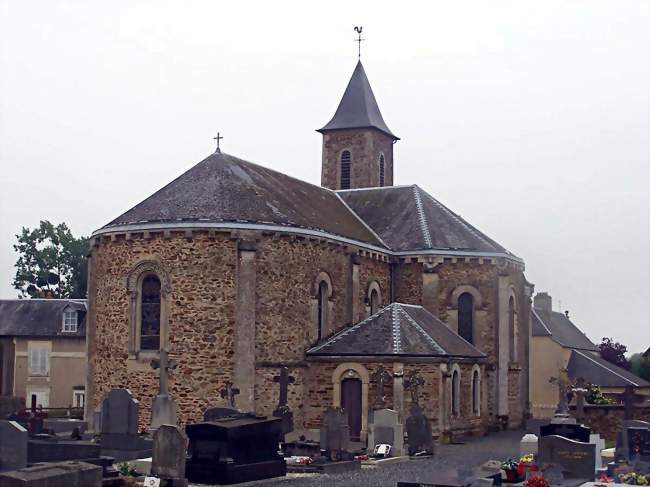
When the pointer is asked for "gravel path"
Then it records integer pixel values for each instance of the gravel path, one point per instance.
(496, 446)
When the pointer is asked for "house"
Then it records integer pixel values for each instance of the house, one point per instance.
(43, 351)
(557, 343)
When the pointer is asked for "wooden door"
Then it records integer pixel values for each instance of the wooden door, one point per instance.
(351, 402)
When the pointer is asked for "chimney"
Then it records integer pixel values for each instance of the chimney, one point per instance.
(543, 301)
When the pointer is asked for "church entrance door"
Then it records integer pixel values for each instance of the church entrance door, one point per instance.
(351, 402)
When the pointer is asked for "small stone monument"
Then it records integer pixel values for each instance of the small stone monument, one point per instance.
(384, 427)
(380, 377)
(282, 411)
(13, 446)
(418, 426)
(335, 434)
(163, 410)
(563, 384)
(169, 455)
(119, 433)
(600, 445)
(580, 390)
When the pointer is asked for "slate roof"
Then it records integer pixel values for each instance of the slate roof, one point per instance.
(560, 329)
(223, 188)
(358, 107)
(595, 370)
(398, 330)
(408, 218)
(40, 317)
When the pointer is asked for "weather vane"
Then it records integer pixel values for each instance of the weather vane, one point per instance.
(358, 30)
(218, 139)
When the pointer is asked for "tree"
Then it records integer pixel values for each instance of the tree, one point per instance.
(614, 353)
(52, 263)
(640, 366)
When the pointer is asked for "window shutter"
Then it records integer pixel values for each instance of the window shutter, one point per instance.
(46, 361)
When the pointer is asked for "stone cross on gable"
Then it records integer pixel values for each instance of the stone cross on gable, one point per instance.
(412, 383)
(165, 365)
(563, 385)
(380, 376)
(229, 392)
(284, 379)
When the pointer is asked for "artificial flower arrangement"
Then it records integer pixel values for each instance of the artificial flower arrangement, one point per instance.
(633, 478)
(511, 468)
(527, 459)
(537, 481)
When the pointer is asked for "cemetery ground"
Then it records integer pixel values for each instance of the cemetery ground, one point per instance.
(447, 458)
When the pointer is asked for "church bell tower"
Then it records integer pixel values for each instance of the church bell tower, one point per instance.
(357, 144)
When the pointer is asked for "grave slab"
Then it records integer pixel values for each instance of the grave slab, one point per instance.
(61, 474)
(13, 446)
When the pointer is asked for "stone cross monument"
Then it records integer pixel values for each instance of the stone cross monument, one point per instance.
(228, 393)
(563, 384)
(282, 411)
(380, 376)
(163, 410)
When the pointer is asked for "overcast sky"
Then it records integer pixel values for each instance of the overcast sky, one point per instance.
(530, 119)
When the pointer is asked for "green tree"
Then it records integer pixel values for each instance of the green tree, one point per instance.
(640, 366)
(614, 353)
(52, 263)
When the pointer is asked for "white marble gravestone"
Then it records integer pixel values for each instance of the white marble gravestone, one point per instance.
(384, 427)
(528, 445)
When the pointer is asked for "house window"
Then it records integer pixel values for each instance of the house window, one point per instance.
(466, 317)
(150, 314)
(512, 328)
(455, 393)
(322, 308)
(78, 399)
(381, 170)
(476, 393)
(39, 361)
(70, 321)
(345, 169)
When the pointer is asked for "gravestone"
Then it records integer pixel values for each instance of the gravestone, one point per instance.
(61, 474)
(577, 459)
(575, 432)
(622, 439)
(638, 444)
(528, 445)
(234, 449)
(282, 411)
(335, 434)
(119, 433)
(13, 446)
(163, 409)
(169, 455)
(380, 377)
(384, 427)
(228, 393)
(600, 444)
(418, 430)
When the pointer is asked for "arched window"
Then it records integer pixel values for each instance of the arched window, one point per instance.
(322, 308)
(346, 158)
(476, 393)
(381, 170)
(512, 329)
(150, 313)
(466, 317)
(374, 301)
(455, 393)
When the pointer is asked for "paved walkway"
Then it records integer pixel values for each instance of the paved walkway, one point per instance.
(497, 446)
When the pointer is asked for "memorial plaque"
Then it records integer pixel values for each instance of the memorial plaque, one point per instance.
(577, 459)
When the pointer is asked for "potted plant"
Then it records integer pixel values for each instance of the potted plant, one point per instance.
(510, 466)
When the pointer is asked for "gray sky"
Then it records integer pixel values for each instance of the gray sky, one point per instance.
(530, 119)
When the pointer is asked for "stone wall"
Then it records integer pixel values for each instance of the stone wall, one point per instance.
(365, 146)
(607, 420)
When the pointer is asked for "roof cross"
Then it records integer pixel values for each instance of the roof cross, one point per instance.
(358, 30)
(218, 139)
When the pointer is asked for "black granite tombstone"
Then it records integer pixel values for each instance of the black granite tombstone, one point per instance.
(638, 444)
(577, 459)
(218, 412)
(234, 449)
(418, 430)
(576, 432)
(623, 440)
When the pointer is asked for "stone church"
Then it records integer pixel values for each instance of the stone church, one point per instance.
(237, 270)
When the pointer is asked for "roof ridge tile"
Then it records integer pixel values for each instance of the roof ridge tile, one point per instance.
(424, 226)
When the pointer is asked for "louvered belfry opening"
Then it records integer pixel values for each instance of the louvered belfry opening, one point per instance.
(346, 159)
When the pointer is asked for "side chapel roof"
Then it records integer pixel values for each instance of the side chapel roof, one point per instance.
(397, 330)
(358, 107)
